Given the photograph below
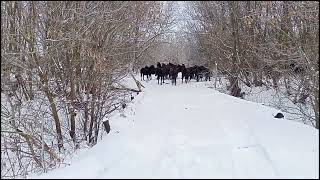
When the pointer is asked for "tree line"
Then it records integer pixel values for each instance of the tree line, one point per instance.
(61, 63)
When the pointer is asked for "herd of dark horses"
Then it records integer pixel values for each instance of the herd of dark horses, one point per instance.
(170, 71)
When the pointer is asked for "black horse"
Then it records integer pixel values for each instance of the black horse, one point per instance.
(160, 74)
(152, 70)
(142, 71)
(185, 74)
(173, 73)
(147, 71)
(204, 72)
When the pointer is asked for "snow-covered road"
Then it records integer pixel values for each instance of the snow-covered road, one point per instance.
(192, 131)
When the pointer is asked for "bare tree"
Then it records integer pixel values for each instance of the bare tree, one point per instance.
(254, 42)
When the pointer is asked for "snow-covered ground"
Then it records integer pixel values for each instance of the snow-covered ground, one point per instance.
(193, 131)
(278, 99)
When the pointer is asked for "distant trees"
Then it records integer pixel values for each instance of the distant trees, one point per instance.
(60, 64)
(258, 42)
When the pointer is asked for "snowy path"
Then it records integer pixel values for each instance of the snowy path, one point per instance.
(191, 131)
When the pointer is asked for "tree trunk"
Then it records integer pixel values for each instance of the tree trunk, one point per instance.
(55, 117)
(44, 78)
(233, 79)
(86, 116)
(53, 110)
(287, 84)
(92, 116)
(30, 84)
(316, 99)
(71, 105)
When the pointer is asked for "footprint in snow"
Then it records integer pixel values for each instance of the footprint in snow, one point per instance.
(245, 147)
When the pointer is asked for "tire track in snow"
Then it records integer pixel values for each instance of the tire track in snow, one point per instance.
(261, 147)
(239, 132)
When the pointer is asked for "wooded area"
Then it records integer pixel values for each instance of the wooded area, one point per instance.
(262, 43)
(61, 63)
